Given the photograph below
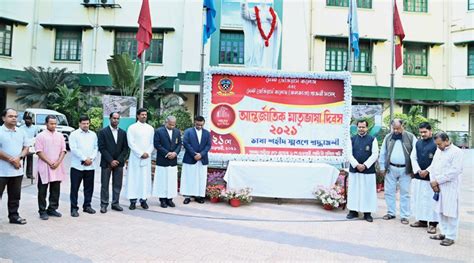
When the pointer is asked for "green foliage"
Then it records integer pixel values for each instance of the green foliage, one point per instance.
(69, 102)
(96, 116)
(39, 86)
(183, 118)
(413, 119)
(125, 74)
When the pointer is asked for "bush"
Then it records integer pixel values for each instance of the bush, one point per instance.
(95, 114)
(183, 118)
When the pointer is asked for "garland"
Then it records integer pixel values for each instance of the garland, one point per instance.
(259, 25)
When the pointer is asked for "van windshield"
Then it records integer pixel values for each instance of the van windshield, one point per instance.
(41, 119)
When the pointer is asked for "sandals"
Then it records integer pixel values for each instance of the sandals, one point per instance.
(438, 237)
(431, 230)
(447, 242)
(404, 221)
(388, 217)
(418, 224)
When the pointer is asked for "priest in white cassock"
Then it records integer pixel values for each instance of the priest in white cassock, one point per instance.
(262, 30)
(138, 179)
(362, 192)
(167, 142)
(197, 142)
(445, 175)
(422, 194)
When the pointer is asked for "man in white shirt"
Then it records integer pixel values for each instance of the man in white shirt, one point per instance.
(83, 144)
(30, 131)
(445, 176)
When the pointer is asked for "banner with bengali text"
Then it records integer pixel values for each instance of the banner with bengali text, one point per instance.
(277, 116)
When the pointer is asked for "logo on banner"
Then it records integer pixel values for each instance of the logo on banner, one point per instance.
(225, 86)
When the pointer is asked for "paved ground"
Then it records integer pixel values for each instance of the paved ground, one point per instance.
(262, 231)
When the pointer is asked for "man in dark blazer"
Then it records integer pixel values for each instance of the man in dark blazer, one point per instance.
(197, 142)
(114, 150)
(167, 141)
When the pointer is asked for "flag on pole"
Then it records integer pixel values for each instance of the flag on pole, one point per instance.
(144, 33)
(399, 36)
(209, 26)
(353, 27)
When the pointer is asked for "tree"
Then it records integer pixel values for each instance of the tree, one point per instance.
(413, 119)
(125, 74)
(39, 86)
(69, 102)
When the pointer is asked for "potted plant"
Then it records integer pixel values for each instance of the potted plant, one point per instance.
(331, 197)
(238, 196)
(214, 192)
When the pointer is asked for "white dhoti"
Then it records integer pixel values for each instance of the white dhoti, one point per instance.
(138, 178)
(422, 201)
(193, 179)
(165, 184)
(362, 193)
(448, 226)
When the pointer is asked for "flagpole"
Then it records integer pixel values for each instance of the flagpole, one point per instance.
(142, 78)
(201, 81)
(392, 74)
(349, 50)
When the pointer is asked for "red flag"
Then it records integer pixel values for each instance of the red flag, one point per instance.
(399, 36)
(144, 33)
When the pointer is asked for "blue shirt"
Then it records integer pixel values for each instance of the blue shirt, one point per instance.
(11, 143)
(83, 146)
(30, 133)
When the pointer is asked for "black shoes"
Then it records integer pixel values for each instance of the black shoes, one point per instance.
(44, 216)
(163, 203)
(352, 215)
(117, 207)
(89, 210)
(18, 221)
(54, 213)
(368, 217)
(199, 200)
(103, 209)
(74, 213)
(187, 200)
(170, 203)
(132, 206)
(143, 204)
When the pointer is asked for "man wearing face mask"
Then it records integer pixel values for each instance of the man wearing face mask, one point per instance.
(167, 141)
(395, 165)
(422, 194)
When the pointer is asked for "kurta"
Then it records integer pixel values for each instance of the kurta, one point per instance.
(138, 179)
(256, 53)
(446, 169)
(52, 144)
(194, 179)
(362, 194)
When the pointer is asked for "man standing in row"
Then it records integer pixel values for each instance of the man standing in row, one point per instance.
(421, 158)
(446, 170)
(114, 149)
(51, 148)
(167, 141)
(31, 131)
(197, 142)
(395, 165)
(362, 195)
(13, 148)
(83, 143)
(140, 141)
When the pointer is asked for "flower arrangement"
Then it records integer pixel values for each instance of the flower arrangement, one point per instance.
(330, 196)
(241, 194)
(216, 177)
(214, 191)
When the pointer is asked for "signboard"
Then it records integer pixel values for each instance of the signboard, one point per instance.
(125, 106)
(277, 116)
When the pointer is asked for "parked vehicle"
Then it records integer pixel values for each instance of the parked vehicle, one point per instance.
(39, 119)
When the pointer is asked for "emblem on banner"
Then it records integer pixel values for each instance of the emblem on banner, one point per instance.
(225, 86)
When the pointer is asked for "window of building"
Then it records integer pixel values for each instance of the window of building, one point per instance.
(231, 50)
(406, 110)
(415, 59)
(470, 59)
(360, 3)
(336, 56)
(5, 39)
(68, 45)
(415, 5)
(125, 42)
(470, 4)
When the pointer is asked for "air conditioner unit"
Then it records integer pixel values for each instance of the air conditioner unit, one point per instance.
(99, 2)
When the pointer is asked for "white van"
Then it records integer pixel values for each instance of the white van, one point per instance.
(39, 119)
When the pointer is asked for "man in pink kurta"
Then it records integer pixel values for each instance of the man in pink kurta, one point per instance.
(51, 149)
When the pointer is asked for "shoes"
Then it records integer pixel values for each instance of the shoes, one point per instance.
(447, 242)
(170, 203)
(199, 200)
(431, 230)
(418, 224)
(438, 237)
(44, 216)
(143, 204)
(117, 207)
(54, 213)
(187, 200)
(74, 213)
(132, 206)
(103, 209)
(388, 217)
(404, 221)
(368, 217)
(352, 215)
(163, 204)
(18, 221)
(89, 210)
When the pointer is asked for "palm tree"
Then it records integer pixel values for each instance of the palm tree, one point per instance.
(125, 74)
(69, 102)
(39, 86)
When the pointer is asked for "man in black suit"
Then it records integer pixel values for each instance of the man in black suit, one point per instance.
(114, 150)
(167, 141)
